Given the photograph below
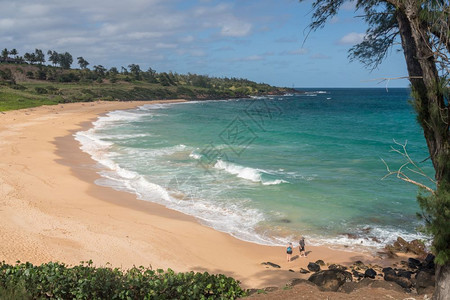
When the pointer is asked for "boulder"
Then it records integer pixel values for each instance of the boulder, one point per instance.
(320, 262)
(403, 282)
(357, 274)
(313, 267)
(337, 267)
(400, 245)
(389, 270)
(424, 282)
(303, 271)
(416, 247)
(413, 263)
(370, 273)
(404, 273)
(360, 264)
(429, 262)
(390, 276)
(330, 280)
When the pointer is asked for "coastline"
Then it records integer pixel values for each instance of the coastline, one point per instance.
(51, 210)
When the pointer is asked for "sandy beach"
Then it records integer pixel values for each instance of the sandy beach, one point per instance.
(51, 210)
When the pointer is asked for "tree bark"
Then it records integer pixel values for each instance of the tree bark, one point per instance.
(442, 287)
(429, 100)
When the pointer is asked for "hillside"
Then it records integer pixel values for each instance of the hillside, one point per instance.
(29, 85)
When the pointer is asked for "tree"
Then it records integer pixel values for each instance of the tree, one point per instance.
(82, 62)
(65, 60)
(113, 71)
(100, 70)
(14, 52)
(422, 26)
(53, 57)
(30, 57)
(136, 71)
(5, 53)
(39, 56)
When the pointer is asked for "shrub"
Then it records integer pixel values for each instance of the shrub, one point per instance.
(40, 90)
(56, 280)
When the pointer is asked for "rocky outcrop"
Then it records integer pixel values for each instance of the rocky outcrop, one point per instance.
(425, 282)
(330, 280)
(400, 245)
(370, 273)
(313, 267)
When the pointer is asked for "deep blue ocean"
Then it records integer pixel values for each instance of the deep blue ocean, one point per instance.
(270, 169)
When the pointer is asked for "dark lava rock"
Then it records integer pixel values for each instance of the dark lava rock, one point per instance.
(404, 273)
(424, 282)
(271, 264)
(337, 267)
(389, 270)
(413, 263)
(429, 261)
(403, 282)
(303, 271)
(313, 267)
(375, 239)
(370, 273)
(320, 262)
(330, 280)
(357, 274)
(290, 270)
(390, 276)
(360, 264)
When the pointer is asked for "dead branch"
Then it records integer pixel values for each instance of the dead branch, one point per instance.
(409, 165)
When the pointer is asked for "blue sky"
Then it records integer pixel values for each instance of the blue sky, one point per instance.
(260, 40)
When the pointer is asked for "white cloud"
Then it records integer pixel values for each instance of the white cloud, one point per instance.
(351, 39)
(236, 28)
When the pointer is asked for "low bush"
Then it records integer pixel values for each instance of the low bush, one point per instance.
(58, 281)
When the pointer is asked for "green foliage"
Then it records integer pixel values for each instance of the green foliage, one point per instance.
(436, 213)
(58, 281)
(65, 85)
(40, 90)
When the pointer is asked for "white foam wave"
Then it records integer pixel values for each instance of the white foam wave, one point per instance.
(125, 136)
(240, 171)
(275, 182)
(195, 155)
(374, 239)
(252, 174)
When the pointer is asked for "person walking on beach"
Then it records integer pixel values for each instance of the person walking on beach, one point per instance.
(301, 246)
(289, 252)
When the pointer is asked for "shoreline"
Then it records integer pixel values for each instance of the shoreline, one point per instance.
(51, 209)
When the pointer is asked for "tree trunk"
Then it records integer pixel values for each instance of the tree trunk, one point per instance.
(424, 77)
(442, 287)
(430, 106)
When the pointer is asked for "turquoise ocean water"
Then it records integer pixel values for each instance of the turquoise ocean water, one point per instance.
(269, 169)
